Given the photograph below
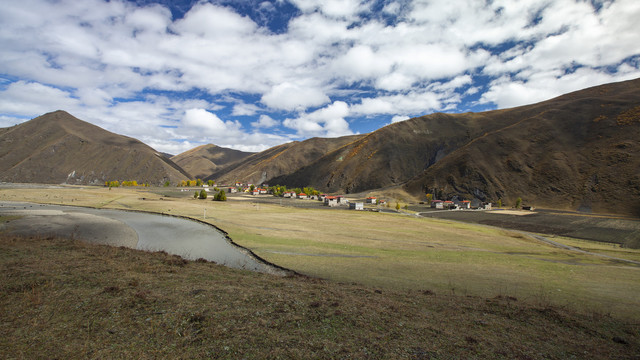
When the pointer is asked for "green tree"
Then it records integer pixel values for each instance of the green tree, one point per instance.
(203, 194)
(518, 202)
(167, 183)
(195, 195)
(220, 196)
(252, 187)
(210, 182)
(397, 206)
(499, 203)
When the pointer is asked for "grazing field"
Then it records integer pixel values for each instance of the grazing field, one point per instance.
(397, 252)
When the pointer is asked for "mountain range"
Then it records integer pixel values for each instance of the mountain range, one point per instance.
(577, 151)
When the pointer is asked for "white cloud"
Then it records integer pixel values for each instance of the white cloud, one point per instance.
(509, 92)
(288, 96)
(244, 109)
(399, 118)
(328, 121)
(332, 8)
(208, 123)
(100, 59)
(265, 121)
(29, 98)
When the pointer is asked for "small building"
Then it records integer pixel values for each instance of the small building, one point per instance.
(437, 204)
(342, 200)
(464, 204)
(449, 204)
(262, 191)
(255, 192)
(289, 194)
(303, 196)
(321, 197)
(331, 201)
(356, 206)
(486, 206)
(372, 200)
(528, 207)
(232, 190)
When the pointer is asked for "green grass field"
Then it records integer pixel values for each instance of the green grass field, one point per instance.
(397, 252)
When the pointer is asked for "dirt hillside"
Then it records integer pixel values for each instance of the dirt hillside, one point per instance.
(204, 160)
(59, 148)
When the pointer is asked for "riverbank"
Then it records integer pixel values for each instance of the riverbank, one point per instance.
(73, 300)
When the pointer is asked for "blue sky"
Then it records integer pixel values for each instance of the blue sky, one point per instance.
(250, 75)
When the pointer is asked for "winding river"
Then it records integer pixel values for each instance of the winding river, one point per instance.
(143, 231)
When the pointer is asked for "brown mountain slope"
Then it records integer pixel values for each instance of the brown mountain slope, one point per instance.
(282, 159)
(580, 149)
(59, 148)
(204, 160)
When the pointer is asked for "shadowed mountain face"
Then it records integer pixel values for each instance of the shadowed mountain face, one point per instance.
(59, 148)
(276, 161)
(204, 160)
(577, 151)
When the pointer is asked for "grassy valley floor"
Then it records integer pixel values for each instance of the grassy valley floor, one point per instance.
(67, 299)
(395, 287)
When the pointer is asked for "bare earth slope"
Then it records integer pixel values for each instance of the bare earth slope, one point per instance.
(580, 150)
(59, 148)
(282, 159)
(204, 160)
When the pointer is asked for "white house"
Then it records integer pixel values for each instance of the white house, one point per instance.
(356, 206)
(331, 201)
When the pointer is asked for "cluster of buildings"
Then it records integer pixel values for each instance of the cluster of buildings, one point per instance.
(458, 205)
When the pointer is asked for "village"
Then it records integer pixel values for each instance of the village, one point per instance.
(370, 203)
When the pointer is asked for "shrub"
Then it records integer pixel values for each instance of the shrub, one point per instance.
(203, 194)
(220, 196)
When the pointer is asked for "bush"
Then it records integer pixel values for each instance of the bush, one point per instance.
(203, 194)
(518, 202)
(220, 196)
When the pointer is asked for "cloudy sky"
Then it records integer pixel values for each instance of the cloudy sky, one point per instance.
(250, 74)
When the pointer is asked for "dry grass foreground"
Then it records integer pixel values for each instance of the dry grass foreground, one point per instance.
(67, 299)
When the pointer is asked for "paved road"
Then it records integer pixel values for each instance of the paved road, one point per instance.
(143, 231)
